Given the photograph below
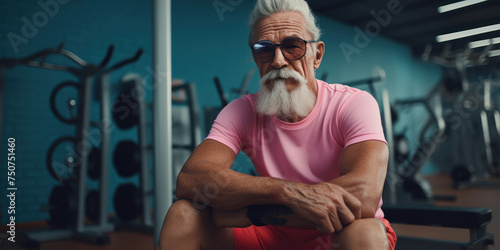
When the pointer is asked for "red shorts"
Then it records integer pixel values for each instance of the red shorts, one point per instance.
(274, 237)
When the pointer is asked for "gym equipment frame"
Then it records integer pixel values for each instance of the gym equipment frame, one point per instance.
(85, 73)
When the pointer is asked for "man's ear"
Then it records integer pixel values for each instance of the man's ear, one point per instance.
(320, 51)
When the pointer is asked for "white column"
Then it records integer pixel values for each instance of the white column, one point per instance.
(162, 111)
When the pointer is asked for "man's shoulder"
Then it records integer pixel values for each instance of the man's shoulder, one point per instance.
(340, 91)
(242, 105)
(340, 88)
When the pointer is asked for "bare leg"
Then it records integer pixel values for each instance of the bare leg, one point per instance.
(187, 227)
(363, 234)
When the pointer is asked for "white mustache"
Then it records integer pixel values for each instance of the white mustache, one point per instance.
(284, 73)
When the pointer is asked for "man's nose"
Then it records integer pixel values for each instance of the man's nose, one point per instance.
(279, 61)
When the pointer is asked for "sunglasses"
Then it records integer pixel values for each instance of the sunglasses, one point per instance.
(292, 48)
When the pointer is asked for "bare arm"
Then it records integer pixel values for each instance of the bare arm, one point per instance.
(207, 178)
(363, 168)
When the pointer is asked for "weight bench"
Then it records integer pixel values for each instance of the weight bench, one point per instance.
(474, 219)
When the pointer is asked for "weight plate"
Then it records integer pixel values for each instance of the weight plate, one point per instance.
(94, 164)
(65, 98)
(62, 159)
(126, 110)
(92, 206)
(128, 202)
(127, 158)
(63, 206)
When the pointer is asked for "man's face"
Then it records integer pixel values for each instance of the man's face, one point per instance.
(279, 26)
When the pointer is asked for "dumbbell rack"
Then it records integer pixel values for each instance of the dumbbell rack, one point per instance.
(85, 74)
(146, 225)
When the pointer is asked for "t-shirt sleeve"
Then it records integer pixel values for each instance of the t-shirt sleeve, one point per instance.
(360, 120)
(231, 124)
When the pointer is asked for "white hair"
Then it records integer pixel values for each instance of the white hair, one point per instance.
(265, 8)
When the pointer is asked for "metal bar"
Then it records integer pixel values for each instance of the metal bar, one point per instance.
(192, 115)
(105, 125)
(392, 175)
(476, 234)
(83, 148)
(485, 129)
(48, 66)
(162, 110)
(143, 146)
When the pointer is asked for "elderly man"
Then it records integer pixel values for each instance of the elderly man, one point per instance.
(318, 149)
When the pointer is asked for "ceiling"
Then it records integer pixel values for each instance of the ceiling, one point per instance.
(418, 22)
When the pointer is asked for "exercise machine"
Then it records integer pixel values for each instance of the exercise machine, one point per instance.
(474, 131)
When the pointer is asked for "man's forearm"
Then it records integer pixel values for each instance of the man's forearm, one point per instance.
(368, 194)
(225, 189)
(363, 168)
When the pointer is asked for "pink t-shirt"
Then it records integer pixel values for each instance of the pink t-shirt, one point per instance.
(307, 151)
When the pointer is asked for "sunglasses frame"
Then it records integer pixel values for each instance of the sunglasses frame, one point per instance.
(281, 48)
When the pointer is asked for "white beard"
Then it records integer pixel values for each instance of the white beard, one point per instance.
(274, 99)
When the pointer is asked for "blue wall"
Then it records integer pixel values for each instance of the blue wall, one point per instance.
(207, 41)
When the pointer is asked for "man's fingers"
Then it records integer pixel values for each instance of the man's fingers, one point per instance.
(353, 204)
(336, 222)
(326, 226)
(345, 215)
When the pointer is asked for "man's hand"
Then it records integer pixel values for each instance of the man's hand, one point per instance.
(325, 205)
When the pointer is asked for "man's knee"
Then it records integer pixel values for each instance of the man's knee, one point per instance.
(362, 234)
(186, 216)
(188, 225)
(183, 221)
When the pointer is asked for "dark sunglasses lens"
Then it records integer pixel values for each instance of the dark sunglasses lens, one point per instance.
(263, 51)
(293, 48)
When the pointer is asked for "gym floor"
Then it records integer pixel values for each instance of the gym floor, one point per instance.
(471, 197)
